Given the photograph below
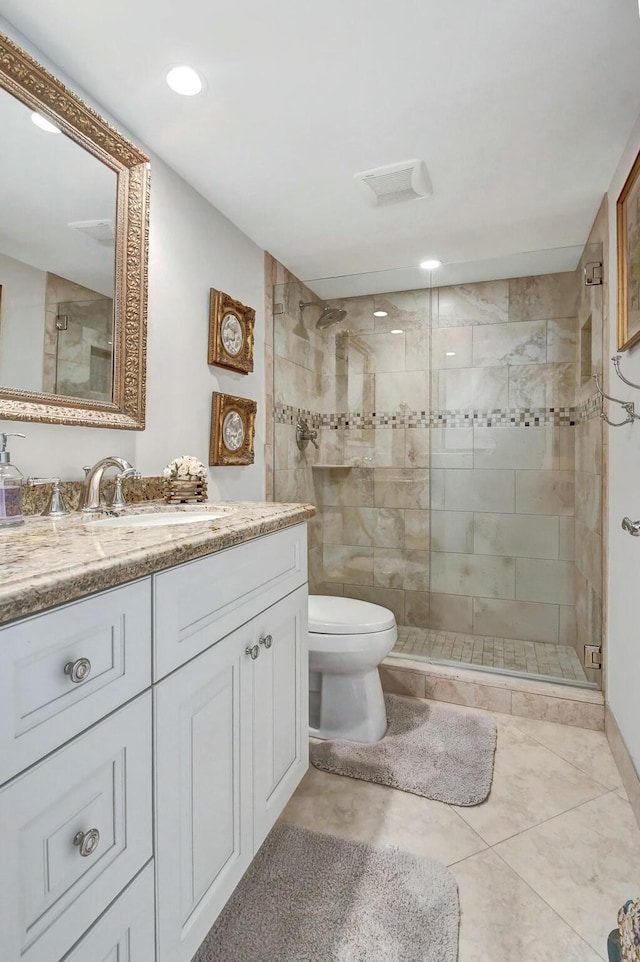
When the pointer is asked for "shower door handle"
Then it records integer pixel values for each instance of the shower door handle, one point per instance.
(633, 527)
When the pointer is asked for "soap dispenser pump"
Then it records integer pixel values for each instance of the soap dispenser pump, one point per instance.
(10, 486)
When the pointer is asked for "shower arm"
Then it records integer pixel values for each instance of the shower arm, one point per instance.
(628, 406)
(616, 363)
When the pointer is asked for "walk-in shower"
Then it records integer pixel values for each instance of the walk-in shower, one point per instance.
(328, 317)
(459, 468)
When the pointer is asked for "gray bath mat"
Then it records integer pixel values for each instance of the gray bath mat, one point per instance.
(309, 897)
(436, 752)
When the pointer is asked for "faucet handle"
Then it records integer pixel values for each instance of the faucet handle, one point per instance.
(55, 506)
(119, 502)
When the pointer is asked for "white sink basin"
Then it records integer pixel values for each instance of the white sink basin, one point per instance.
(158, 519)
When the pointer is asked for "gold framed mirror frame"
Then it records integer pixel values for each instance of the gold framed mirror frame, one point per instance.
(41, 91)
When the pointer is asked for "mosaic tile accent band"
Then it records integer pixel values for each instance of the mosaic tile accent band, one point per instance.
(477, 418)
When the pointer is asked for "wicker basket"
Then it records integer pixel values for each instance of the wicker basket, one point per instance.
(178, 491)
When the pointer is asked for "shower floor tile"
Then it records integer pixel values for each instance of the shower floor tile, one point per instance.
(508, 654)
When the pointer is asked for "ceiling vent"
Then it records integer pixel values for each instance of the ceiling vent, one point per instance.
(98, 230)
(396, 183)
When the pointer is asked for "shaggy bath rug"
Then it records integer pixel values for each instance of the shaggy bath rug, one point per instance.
(440, 753)
(309, 897)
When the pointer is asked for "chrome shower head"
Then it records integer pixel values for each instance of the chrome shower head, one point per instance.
(328, 317)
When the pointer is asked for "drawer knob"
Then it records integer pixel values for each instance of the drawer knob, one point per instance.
(267, 641)
(87, 842)
(78, 670)
(253, 651)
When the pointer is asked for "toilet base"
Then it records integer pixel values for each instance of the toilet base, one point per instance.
(352, 707)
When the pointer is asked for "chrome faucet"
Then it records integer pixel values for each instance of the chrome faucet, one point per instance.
(91, 501)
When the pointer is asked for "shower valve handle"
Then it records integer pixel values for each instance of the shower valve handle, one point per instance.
(633, 527)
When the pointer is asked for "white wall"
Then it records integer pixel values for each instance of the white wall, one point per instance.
(623, 634)
(192, 248)
(22, 314)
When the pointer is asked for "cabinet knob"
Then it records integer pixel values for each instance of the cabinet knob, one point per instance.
(253, 651)
(78, 670)
(87, 842)
(267, 641)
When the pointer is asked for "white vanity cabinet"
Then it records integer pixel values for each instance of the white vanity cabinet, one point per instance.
(150, 736)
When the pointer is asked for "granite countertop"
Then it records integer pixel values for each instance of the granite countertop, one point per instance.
(44, 563)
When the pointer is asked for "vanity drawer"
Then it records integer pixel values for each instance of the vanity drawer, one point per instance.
(52, 887)
(41, 706)
(197, 604)
(126, 931)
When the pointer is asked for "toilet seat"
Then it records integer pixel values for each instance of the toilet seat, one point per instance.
(330, 615)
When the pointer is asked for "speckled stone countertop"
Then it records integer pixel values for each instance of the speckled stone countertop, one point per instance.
(44, 563)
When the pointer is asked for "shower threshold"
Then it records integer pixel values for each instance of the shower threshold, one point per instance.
(504, 656)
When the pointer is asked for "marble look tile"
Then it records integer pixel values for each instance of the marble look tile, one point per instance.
(463, 304)
(522, 342)
(517, 535)
(409, 310)
(417, 608)
(567, 629)
(530, 785)
(585, 884)
(359, 310)
(541, 385)
(402, 488)
(586, 750)
(349, 564)
(451, 613)
(470, 388)
(391, 598)
(451, 447)
(453, 531)
(567, 539)
(469, 694)
(399, 681)
(401, 389)
(562, 710)
(393, 568)
(416, 530)
(417, 345)
(503, 920)
(562, 339)
(350, 487)
(381, 816)
(544, 492)
(417, 449)
(376, 353)
(451, 347)
(513, 448)
(588, 508)
(479, 490)
(515, 619)
(543, 296)
(469, 574)
(390, 446)
(544, 580)
(364, 526)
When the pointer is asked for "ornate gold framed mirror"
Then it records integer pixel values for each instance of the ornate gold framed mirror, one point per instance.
(74, 228)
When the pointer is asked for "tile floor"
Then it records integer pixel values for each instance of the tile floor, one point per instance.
(542, 866)
(554, 661)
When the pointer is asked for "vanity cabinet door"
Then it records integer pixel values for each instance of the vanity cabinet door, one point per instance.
(280, 708)
(203, 771)
(126, 931)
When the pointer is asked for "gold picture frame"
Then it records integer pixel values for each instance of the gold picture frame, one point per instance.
(233, 424)
(230, 332)
(628, 237)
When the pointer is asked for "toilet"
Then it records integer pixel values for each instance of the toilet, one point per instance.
(347, 641)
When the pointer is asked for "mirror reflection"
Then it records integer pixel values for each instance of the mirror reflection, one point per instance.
(57, 260)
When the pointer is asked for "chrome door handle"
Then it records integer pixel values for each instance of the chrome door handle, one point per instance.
(78, 671)
(253, 651)
(87, 842)
(633, 527)
(267, 641)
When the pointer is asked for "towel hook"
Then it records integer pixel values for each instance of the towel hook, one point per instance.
(628, 406)
(616, 363)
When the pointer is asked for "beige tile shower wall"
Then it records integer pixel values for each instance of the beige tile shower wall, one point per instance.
(465, 528)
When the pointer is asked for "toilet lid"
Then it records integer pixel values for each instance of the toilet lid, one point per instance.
(331, 615)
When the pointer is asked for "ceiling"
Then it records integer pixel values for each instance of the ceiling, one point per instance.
(519, 108)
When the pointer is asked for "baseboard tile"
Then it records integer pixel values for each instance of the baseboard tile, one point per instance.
(623, 760)
(579, 707)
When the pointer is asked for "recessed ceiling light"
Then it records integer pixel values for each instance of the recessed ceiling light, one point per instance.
(396, 330)
(450, 353)
(430, 265)
(44, 124)
(185, 80)
(380, 313)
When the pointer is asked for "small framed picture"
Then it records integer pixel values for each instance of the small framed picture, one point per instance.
(230, 332)
(628, 231)
(233, 424)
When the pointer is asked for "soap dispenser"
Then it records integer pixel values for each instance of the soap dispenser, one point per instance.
(10, 486)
